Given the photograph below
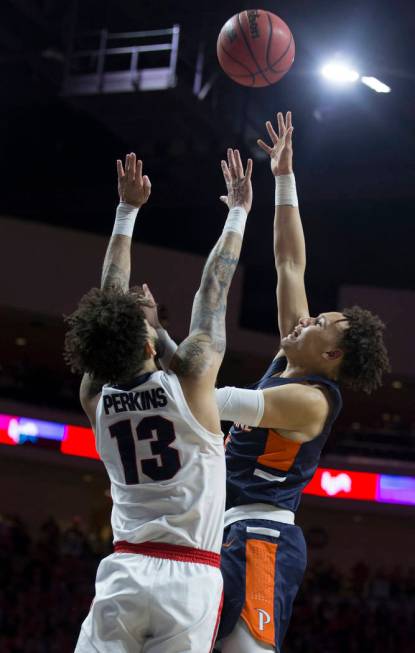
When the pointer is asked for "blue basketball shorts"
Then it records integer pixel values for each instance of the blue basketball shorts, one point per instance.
(263, 564)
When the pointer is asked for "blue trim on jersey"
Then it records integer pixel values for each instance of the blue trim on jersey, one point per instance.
(138, 380)
(245, 483)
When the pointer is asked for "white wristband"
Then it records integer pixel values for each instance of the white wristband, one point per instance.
(285, 190)
(125, 219)
(236, 220)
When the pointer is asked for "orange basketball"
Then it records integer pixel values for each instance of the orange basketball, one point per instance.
(255, 48)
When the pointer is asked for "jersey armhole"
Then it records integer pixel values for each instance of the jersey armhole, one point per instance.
(193, 422)
(334, 408)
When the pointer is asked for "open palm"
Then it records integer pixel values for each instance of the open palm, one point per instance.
(281, 152)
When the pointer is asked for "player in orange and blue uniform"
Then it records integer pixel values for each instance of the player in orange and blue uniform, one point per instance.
(264, 552)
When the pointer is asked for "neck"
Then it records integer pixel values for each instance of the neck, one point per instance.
(148, 367)
(298, 368)
(295, 369)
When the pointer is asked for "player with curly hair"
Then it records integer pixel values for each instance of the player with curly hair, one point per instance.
(268, 466)
(158, 434)
(264, 552)
(298, 400)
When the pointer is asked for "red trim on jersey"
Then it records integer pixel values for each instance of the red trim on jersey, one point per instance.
(170, 552)
(215, 632)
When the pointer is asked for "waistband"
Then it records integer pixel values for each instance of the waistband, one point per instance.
(259, 511)
(169, 552)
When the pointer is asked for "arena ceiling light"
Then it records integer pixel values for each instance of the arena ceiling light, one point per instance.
(375, 84)
(339, 72)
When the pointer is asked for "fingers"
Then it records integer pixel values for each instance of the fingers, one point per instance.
(132, 165)
(248, 171)
(239, 166)
(120, 169)
(281, 124)
(226, 172)
(232, 164)
(147, 293)
(139, 171)
(264, 146)
(224, 199)
(288, 120)
(270, 129)
(233, 170)
(146, 186)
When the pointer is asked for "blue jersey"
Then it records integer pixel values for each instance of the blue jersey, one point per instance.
(265, 467)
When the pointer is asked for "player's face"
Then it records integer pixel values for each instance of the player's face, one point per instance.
(316, 336)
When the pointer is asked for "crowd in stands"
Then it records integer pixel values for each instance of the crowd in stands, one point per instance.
(47, 584)
(364, 611)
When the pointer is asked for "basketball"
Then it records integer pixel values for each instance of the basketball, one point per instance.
(255, 48)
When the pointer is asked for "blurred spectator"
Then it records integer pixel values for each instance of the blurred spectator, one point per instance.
(73, 541)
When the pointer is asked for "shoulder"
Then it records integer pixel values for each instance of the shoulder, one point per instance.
(312, 397)
(89, 395)
(301, 406)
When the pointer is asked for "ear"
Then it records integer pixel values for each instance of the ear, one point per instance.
(149, 349)
(332, 355)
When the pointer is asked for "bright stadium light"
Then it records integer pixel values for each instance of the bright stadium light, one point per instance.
(340, 73)
(375, 85)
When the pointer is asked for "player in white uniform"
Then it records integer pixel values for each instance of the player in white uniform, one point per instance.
(158, 434)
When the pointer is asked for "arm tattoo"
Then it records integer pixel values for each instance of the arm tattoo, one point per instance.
(209, 307)
(117, 264)
(114, 276)
(207, 328)
(190, 358)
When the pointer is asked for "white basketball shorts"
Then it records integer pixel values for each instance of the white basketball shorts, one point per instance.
(149, 604)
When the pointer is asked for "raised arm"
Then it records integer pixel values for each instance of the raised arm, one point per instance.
(198, 358)
(134, 191)
(289, 244)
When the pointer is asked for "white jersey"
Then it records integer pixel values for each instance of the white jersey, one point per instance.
(167, 472)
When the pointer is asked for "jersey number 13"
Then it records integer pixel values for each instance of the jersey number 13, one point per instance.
(161, 433)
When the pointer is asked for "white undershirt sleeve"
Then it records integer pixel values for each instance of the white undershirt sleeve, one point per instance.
(240, 405)
(234, 404)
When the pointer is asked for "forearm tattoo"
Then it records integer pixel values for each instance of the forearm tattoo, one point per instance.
(208, 329)
(116, 268)
(114, 276)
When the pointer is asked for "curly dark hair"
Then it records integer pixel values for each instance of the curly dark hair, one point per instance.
(366, 358)
(107, 334)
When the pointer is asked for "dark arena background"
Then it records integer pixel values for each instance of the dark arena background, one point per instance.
(84, 82)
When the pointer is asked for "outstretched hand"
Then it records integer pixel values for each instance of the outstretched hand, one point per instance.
(133, 188)
(281, 152)
(238, 183)
(150, 307)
